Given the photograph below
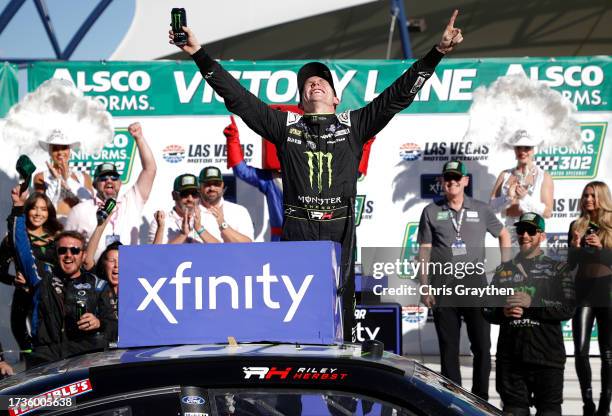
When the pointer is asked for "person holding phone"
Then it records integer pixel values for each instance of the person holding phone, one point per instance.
(590, 241)
(320, 150)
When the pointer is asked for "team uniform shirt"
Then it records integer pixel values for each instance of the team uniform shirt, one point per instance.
(319, 153)
(437, 228)
(124, 223)
(536, 337)
(236, 216)
(319, 156)
(173, 226)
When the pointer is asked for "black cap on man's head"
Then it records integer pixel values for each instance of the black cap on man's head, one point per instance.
(210, 173)
(105, 168)
(314, 69)
(185, 182)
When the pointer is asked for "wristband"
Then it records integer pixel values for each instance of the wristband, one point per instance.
(200, 231)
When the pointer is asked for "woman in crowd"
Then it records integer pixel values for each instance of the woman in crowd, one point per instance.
(108, 268)
(64, 186)
(41, 225)
(590, 238)
(524, 188)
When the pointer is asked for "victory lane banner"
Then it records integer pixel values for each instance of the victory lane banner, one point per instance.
(205, 293)
(177, 88)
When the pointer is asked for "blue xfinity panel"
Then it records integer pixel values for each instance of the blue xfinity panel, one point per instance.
(204, 293)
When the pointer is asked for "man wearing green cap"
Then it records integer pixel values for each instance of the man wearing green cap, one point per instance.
(226, 221)
(124, 222)
(530, 352)
(320, 150)
(182, 224)
(452, 231)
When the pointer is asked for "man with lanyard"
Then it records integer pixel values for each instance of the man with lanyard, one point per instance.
(320, 150)
(452, 231)
(124, 223)
(530, 352)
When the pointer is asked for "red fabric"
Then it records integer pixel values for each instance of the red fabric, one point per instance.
(365, 156)
(234, 151)
(269, 156)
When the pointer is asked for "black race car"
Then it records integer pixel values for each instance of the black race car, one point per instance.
(242, 379)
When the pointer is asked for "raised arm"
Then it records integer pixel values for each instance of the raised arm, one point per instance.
(32, 269)
(369, 120)
(144, 183)
(255, 113)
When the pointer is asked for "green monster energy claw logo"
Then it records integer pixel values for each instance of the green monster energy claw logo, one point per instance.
(177, 21)
(321, 158)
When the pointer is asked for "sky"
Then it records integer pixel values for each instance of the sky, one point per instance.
(25, 36)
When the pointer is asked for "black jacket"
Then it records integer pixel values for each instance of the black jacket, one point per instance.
(536, 338)
(55, 299)
(319, 153)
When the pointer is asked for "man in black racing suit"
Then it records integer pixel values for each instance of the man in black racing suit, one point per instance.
(530, 355)
(320, 151)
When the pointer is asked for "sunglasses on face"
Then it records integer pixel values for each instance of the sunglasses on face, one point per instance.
(522, 229)
(104, 178)
(193, 193)
(451, 177)
(73, 250)
(212, 183)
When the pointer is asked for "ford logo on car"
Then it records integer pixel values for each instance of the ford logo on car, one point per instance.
(193, 400)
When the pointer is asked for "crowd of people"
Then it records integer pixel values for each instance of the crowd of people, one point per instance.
(64, 236)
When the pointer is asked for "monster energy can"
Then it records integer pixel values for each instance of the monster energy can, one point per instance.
(178, 20)
(81, 309)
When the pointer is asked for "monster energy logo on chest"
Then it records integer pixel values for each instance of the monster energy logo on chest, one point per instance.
(322, 159)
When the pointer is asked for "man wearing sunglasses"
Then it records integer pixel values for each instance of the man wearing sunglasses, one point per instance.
(226, 221)
(530, 352)
(70, 313)
(124, 222)
(182, 224)
(452, 231)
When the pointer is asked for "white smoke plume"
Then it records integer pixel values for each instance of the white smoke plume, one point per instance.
(513, 103)
(55, 105)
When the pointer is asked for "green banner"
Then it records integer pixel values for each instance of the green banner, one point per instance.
(9, 87)
(177, 88)
(579, 163)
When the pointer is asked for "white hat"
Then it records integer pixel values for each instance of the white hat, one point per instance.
(522, 138)
(57, 137)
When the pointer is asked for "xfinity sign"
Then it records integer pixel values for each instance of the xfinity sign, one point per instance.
(240, 291)
(192, 293)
